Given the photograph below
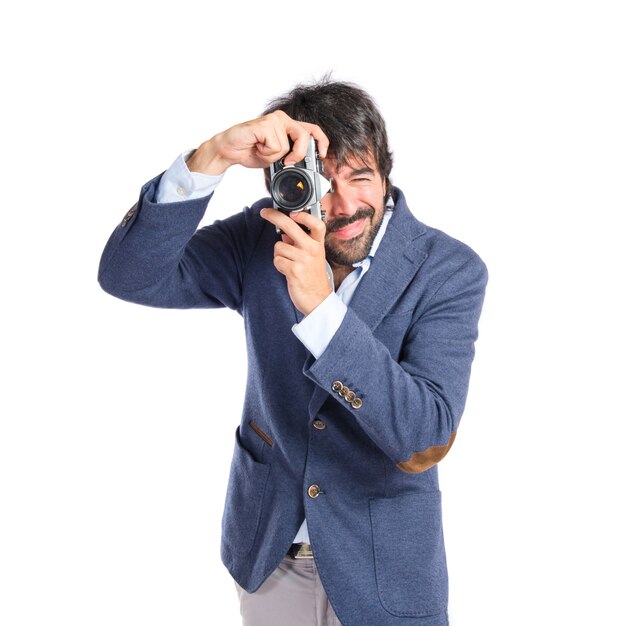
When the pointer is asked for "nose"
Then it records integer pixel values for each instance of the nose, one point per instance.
(338, 203)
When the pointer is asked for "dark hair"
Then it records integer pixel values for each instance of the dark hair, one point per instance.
(349, 117)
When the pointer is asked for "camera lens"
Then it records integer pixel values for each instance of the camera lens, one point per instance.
(291, 189)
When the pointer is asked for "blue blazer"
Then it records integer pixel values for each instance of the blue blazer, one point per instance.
(350, 440)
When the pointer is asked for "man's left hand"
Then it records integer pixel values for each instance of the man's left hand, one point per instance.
(300, 257)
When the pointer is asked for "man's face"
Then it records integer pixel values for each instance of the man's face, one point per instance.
(354, 209)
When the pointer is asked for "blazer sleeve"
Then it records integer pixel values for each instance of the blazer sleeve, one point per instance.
(410, 408)
(158, 257)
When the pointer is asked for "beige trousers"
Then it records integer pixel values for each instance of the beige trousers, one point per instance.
(292, 596)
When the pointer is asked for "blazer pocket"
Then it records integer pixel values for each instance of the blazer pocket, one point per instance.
(244, 499)
(409, 554)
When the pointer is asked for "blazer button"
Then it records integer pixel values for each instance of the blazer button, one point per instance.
(314, 491)
(337, 386)
(319, 425)
(350, 396)
(357, 403)
(344, 391)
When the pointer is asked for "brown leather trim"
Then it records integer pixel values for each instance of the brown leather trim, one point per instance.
(421, 461)
(261, 434)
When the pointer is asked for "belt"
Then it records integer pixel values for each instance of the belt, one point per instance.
(300, 551)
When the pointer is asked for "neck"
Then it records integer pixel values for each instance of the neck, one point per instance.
(339, 273)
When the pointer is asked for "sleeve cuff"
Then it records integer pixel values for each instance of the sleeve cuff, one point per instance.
(178, 183)
(317, 329)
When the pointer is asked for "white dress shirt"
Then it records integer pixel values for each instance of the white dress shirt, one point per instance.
(317, 329)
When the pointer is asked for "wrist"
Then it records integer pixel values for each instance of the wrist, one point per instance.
(206, 159)
(315, 302)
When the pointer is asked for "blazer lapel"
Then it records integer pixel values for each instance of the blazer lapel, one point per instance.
(393, 267)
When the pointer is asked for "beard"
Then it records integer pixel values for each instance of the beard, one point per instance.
(356, 249)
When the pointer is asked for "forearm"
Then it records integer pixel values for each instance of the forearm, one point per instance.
(158, 258)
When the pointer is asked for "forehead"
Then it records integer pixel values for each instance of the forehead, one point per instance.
(350, 166)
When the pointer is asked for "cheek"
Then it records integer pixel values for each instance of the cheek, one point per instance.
(371, 196)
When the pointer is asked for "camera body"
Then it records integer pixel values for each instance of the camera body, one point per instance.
(299, 187)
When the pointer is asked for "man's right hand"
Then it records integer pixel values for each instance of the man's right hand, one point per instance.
(257, 143)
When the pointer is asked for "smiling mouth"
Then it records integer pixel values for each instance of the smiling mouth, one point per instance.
(350, 231)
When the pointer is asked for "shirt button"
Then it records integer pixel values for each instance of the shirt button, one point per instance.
(181, 192)
(337, 386)
(314, 491)
(319, 425)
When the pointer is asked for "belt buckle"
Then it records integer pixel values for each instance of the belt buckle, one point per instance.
(303, 551)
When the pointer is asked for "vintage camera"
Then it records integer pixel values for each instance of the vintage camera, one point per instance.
(300, 187)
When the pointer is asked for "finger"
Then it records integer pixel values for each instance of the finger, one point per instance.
(287, 239)
(318, 134)
(317, 228)
(286, 251)
(286, 224)
(274, 125)
(282, 139)
(300, 146)
(299, 133)
(282, 264)
(272, 145)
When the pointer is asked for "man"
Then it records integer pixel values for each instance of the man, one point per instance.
(355, 386)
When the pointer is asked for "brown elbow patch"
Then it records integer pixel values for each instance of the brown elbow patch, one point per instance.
(421, 461)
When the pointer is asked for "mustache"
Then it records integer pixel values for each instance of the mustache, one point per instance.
(340, 222)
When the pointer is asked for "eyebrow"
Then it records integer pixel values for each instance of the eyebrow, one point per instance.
(362, 170)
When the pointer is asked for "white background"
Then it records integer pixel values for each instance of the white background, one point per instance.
(508, 127)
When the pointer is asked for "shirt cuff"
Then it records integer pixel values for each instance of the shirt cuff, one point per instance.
(178, 183)
(317, 329)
